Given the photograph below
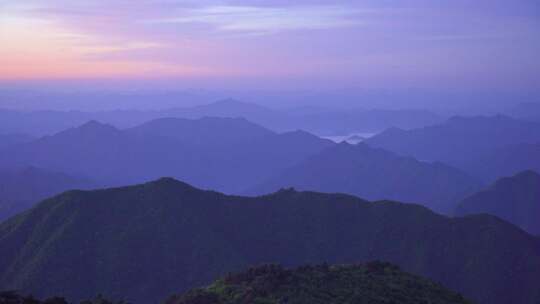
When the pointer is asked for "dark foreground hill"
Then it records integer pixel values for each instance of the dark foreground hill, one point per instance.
(143, 243)
(376, 174)
(515, 199)
(13, 297)
(20, 188)
(371, 283)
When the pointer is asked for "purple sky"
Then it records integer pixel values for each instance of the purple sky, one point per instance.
(275, 44)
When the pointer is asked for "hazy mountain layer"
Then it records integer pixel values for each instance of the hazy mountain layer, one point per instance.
(236, 156)
(376, 174)
(218, 153)
(317, 120)
(461, 141)
(515, 199)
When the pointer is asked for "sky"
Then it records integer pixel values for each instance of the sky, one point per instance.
(275, 44)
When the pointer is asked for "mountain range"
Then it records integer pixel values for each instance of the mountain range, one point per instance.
(321, 121)
(227, 154)
(145, 242)
(515, 199)
(209, 132)
(234, 155)
(376, 174)
(463, 142)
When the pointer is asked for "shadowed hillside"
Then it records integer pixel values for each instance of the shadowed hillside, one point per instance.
(148, 241)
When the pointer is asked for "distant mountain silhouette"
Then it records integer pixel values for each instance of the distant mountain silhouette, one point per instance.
(144, 242)
(318, 121)
(226, 154)
(373, 282)
(376, 174)
(460, 141)
(515, 199)
(342, 122)
(207, 131)
(21, 188)
(225, 108)
(325, 121)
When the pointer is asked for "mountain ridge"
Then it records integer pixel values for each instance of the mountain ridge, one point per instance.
(462, 142)
(216, 153)
(147, 241)
(376, 174)
(515, 199)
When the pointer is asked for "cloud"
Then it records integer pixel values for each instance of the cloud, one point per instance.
(268, 19)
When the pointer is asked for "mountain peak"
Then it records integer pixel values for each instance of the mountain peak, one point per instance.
(169, 182)
(90, 128)
(289, 190)
(96, 125)
(528, 174)
(519, 178)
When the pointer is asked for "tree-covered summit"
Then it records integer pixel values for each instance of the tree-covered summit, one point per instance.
(371, 283)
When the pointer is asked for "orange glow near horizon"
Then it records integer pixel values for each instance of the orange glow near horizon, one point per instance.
(335, 44)
(38, 49)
